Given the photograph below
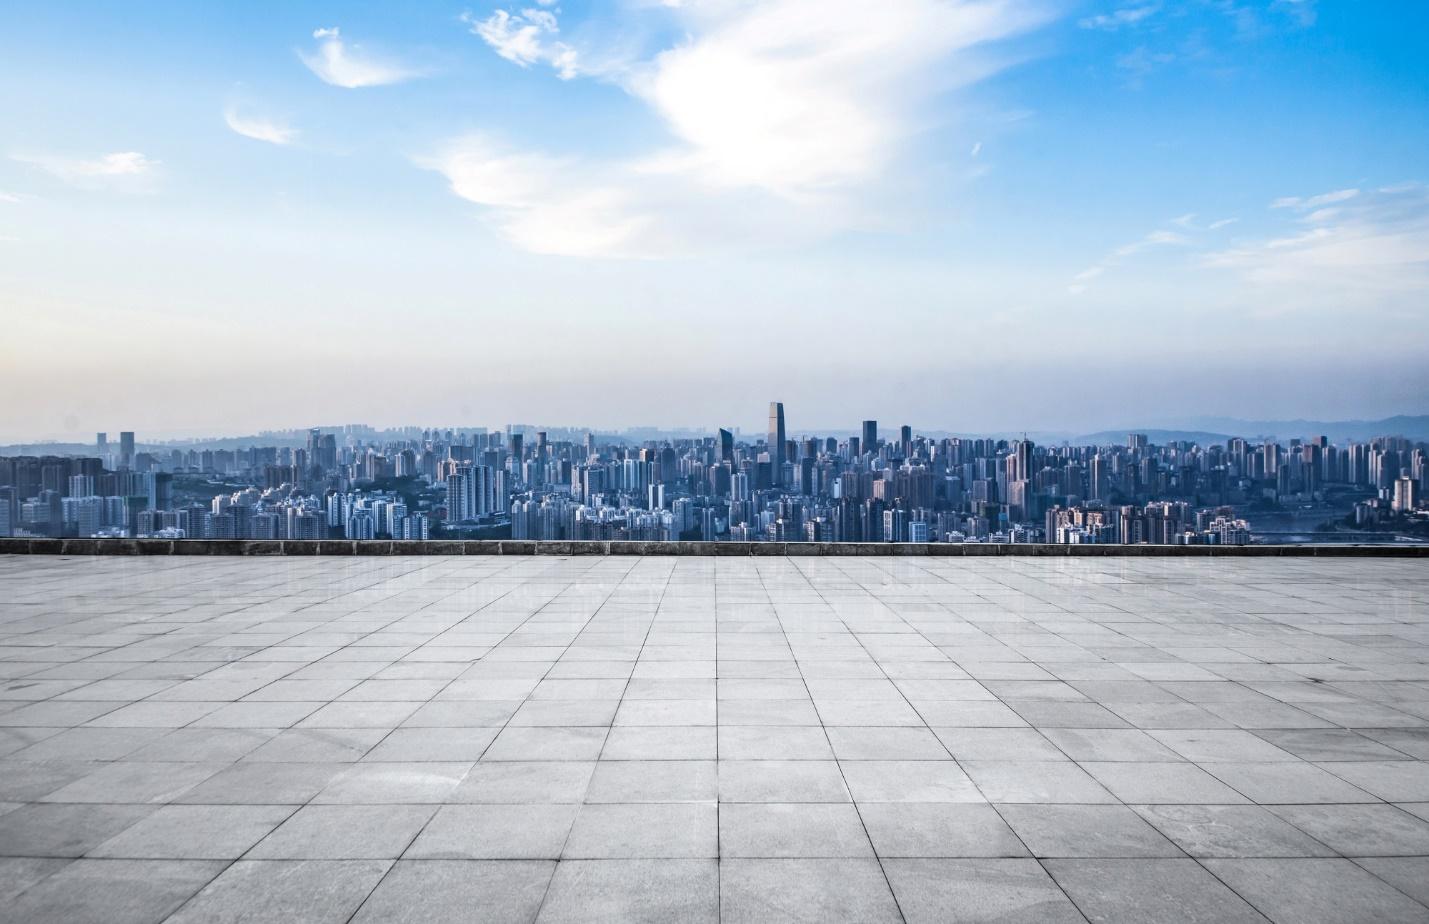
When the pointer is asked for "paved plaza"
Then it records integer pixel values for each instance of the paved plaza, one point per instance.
(620, 738)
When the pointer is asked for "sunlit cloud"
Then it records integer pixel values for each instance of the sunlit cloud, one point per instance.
(120, 168)
(259, 128)
(1118, 19)
(797, 105)
(1370, 244)
(352, 66)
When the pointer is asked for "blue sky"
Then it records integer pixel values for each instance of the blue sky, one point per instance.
(965, 215)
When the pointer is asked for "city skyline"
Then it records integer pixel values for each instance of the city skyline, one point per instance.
(888, 484)
(1050, 214)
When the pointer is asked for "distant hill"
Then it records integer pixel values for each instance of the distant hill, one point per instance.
(1411, 426)
(1158, 437)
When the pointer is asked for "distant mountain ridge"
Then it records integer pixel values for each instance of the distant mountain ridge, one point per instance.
(1203, 430)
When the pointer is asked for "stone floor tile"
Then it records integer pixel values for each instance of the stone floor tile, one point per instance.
(20, 873)
(1162, 783)
(283, 891)
(1035, 781)
(111, 892)
(495, 832)
(344, 832)
(440, 891)
(1006, 891)
(64, 830)
(432, 744)
(504, 781)
(633, 891)
(654, 831)
(1150, 892)
(195, 832)
(939, 829)
(1086, 831)
(886, 743)
(816, 891)
(1316, 891)
(998, 744)
(770, 742)
(653, 742)
(1361, 830)
(908, 781)
(792, 830)
(1231, 831)
(653, 781)
(781, 781)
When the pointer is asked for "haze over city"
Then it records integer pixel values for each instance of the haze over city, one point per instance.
(978, 217)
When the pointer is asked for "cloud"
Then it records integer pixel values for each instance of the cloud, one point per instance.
(259, 128)
(118, 168)
(805, 106)
(526, 37)
(1158, 238)
(351, 66)
(1314, 202)
(8, 197)
(1127, 16)
(542, 204)
(1141, 61)
(1373, 243)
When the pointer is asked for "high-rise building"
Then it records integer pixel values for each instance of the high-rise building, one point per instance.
(726, 446)
(905, 440)
(126, 450)
(101, 445)
(776, 441)
(870, 436)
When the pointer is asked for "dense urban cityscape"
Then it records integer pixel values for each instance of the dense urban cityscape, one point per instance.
(870, 485)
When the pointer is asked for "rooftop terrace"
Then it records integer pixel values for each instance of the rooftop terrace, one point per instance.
(590, 738)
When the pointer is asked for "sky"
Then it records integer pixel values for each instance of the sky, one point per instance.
(219, 218)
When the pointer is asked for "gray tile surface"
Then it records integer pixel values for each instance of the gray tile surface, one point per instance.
(696, 739)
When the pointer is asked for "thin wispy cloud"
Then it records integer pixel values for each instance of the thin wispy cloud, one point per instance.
(809, 104)
(1118, 19)
(351, 65)
(120, 168)
(1370, 245)
(259, 128)
(1159, 238)
(1315, 202)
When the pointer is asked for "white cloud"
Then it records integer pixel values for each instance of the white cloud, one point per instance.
(1375, 243)
(807, 105)
(1314, 202)
(258, 127)
(543, 204)
(118, 168)
(8, 197)
(352, 66)
(526, 37)
(1154, 239)
(1127, 16)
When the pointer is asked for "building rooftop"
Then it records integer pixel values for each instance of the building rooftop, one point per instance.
(593, 738)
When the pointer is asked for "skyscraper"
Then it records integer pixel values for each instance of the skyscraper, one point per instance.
(101, 444)
(726, 446)
(776, 441)
(870, 436)
(126, 450)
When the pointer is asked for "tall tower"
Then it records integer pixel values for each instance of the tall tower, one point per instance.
(870, 436)
(776, 441)
(126, 450)
(726, 446)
